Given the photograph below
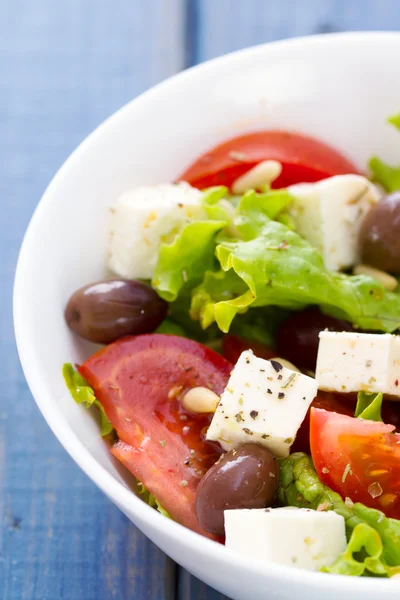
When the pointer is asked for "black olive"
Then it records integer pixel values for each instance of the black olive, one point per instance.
(297, 338)
(379, 235)
(244, 478)
(104, 311)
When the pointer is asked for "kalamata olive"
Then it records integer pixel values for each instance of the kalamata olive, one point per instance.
(379, 235)
(107, 310)
(244, 478)
(297, 337)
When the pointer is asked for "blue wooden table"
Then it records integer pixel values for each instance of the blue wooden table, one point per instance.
(65, 65)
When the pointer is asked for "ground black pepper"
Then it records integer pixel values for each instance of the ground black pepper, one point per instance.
(276, 365)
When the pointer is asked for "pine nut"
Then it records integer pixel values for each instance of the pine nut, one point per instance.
(174, 392)
(200, 400)
(388, 281)
(262, 174)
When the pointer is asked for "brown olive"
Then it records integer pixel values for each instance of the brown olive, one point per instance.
(107, 310)
(379, 235)
(297, 338)
(244, 478)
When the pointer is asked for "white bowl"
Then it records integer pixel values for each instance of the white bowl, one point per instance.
(339, 88)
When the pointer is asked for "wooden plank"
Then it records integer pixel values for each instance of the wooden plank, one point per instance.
(190, 588)
(65, 66)
(227, 25)
(216, 27)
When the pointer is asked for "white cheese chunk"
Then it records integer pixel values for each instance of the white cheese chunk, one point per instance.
(144, 217)
(297, 537)
(329, 214)
(264, 403)
(353, 362)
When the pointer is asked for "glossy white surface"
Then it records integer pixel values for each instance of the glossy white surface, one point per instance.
(339, 88)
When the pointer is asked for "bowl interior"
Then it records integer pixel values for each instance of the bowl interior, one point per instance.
(338, 88)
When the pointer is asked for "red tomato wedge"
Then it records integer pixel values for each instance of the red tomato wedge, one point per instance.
(358, 459)
(303, 159)
(139, 380)
(233, 346)
(343, 404)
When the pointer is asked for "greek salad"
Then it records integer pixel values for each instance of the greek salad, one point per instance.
(250, 368)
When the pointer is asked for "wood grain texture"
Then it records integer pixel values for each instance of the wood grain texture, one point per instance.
(190, 588)
(65, 65)
(227, 25)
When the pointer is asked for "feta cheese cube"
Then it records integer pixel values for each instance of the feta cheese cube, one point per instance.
(329, 214)
(353, 362)
(144, 217)
(297, 537)
(263, 402)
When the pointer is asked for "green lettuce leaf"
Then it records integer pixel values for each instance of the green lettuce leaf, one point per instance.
(363, 555)
(300, 486)
(215, 209)
(151, 500)
(255, 209)
(220, 292)
(386, 175)
(287, 220)
(82, 393)
(245, 256)
(186, 260)
(182, 264)
(272, 265)
(369, 406)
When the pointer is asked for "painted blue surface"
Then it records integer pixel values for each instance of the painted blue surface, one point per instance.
(65, 65)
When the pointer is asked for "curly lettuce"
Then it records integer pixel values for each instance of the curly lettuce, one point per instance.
(186, 260)
(83, 394)
(183, 263)
(363, 555)
(244, 255)
(273, 265)
(387, 176)
(373, 539)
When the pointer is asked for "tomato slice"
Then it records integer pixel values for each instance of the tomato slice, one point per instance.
(358, 459)
(303, 159)
(343, 404)
(234, 345)
(139, 380)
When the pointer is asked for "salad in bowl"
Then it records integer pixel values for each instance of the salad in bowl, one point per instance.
(249, 368)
